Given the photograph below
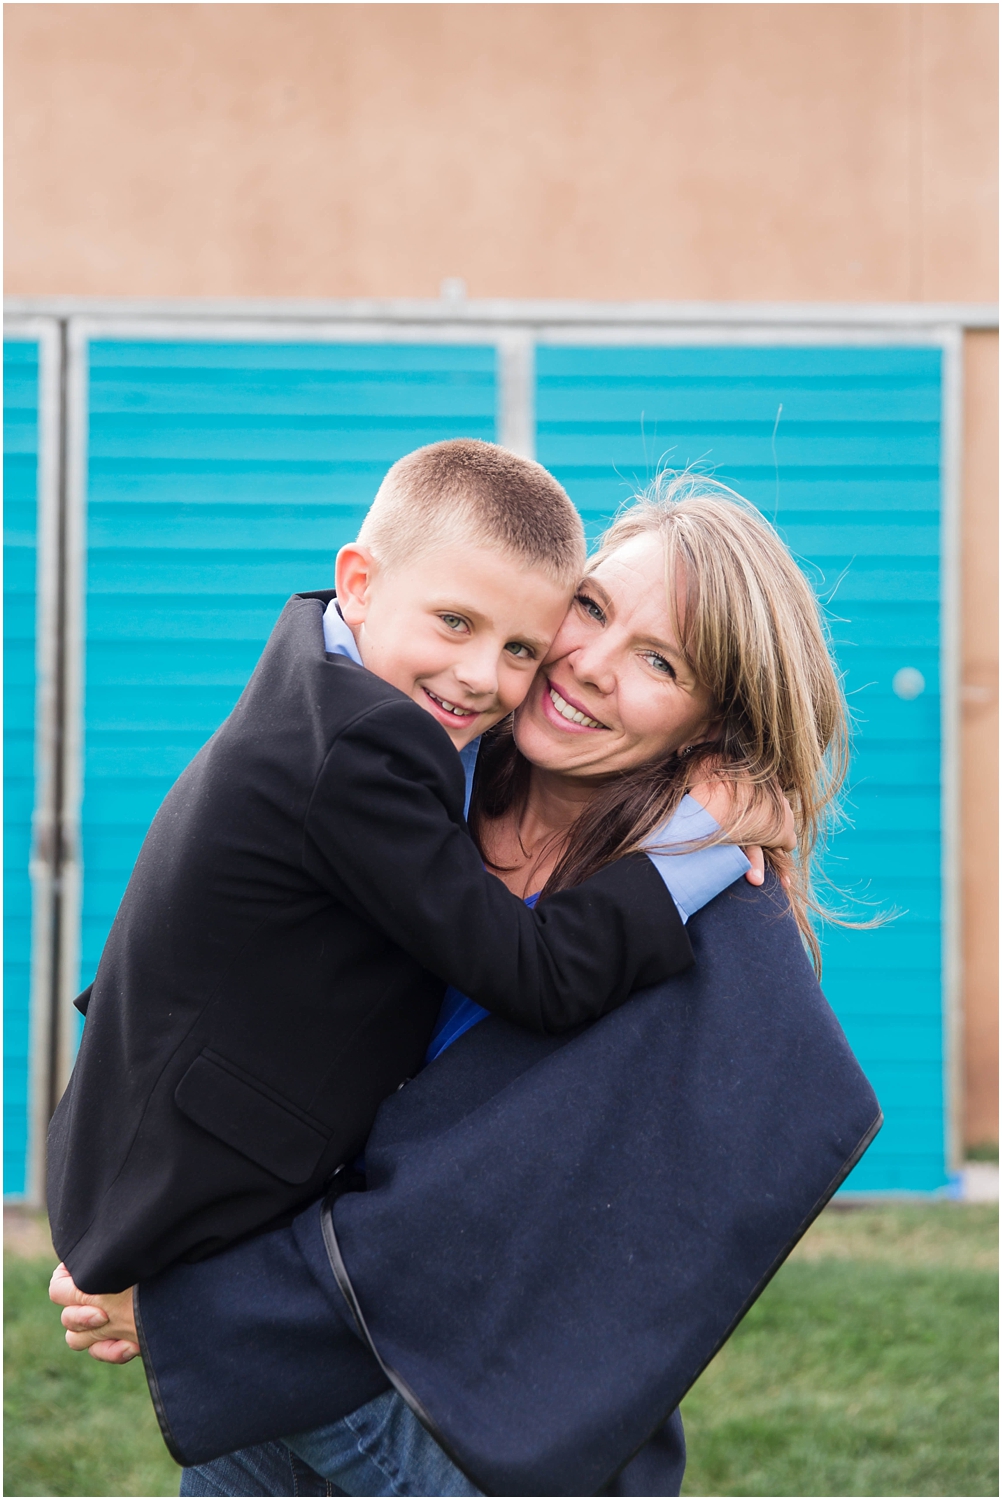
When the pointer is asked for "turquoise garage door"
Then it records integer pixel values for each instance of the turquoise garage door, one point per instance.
(222, 477)
(841, 447)
(20, 469)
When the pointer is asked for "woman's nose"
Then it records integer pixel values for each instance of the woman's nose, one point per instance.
(595, 665)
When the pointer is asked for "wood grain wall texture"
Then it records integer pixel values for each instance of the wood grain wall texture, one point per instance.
(979, 738)
(757, 152)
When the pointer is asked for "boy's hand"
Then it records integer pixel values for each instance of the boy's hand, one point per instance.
(752, 817)
(105, 1325)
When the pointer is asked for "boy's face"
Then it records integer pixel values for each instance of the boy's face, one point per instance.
(461, 630)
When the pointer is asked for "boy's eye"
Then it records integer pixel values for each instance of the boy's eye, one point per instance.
(520, 650)
(590, 607)
(658, 662)
(454, 622)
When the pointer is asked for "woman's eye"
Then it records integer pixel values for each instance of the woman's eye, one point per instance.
(659, 663)
(590, 607)
(454, 622)
(521, 650)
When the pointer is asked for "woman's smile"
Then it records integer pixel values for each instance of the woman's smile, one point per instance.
(616, 689)
(564, 712)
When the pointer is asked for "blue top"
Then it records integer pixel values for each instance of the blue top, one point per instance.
(458, 1014)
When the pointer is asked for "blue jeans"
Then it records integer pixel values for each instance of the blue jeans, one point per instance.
(380, 1449)
(267, 1469)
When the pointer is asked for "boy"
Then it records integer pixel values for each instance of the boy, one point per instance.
(308, 886)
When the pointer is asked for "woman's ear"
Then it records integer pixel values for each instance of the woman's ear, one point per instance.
(354, 572)
(713, 731)
(708, 735)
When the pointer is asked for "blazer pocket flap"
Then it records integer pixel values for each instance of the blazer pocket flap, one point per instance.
(245, 1114)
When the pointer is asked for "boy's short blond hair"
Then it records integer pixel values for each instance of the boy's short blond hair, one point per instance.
(472, 491)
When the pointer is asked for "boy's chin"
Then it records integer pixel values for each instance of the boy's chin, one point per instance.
(459, 734)
(463, 737)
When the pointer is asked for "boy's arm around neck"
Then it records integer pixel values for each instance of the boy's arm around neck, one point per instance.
(385, 833)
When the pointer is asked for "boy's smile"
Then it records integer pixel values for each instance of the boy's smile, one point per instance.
(453, 710)
(461, 629)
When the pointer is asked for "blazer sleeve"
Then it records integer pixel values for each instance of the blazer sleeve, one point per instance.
(385, 832)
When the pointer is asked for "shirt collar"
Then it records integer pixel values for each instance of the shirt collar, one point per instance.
(468, 756)
(338, 639)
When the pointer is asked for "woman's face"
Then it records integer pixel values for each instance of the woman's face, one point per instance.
(615, 690)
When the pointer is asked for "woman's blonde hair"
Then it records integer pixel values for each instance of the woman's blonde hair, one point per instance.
(752, 631)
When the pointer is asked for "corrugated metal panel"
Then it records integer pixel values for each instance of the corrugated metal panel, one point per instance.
(841, 446)
(20, 464)
(222, 477)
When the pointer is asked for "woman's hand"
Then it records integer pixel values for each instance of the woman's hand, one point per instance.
(104, 1325)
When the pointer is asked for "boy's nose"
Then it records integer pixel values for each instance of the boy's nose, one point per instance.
(478, 675)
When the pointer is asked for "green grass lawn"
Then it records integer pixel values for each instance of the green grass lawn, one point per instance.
(867, 1368)
(72, 1426)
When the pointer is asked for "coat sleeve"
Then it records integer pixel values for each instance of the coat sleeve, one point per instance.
(251, 1344)
(385, 833)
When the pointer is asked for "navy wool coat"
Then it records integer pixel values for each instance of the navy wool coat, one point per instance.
(556, 1235)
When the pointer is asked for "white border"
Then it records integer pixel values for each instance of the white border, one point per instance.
(516, 411)
(74, 655)
(526, 313)
(41, 863)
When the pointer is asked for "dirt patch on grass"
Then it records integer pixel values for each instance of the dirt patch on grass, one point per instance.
(944, 1236)
(26, 1234)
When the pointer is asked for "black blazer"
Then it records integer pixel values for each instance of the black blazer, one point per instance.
(277, 963)
(556, 1236)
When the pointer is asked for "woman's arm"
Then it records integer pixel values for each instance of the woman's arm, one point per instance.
(249, 1345)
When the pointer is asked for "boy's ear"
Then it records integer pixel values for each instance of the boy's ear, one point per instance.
(354, 571)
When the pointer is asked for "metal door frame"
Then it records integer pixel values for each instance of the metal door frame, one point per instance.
(65, 326)
(44, 1062)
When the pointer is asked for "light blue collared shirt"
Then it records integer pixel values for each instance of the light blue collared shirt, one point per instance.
(338, 639)
(693, 878)
(696, 876)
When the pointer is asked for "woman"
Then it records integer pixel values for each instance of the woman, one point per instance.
(694, 647)
(694, 651)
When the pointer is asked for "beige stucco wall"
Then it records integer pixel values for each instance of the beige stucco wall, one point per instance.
(613, 151)
(755, 152)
